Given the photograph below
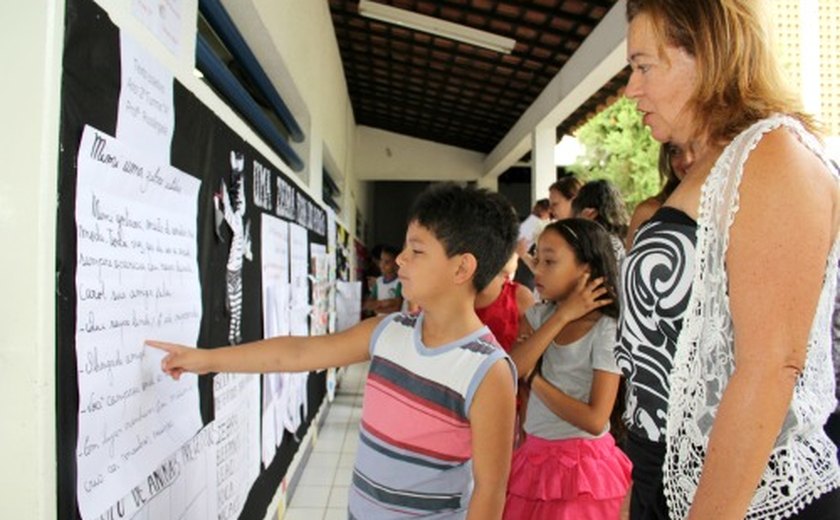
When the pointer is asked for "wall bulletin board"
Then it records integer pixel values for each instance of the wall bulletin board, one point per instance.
(171, 226)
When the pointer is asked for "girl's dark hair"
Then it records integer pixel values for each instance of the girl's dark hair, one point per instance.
(604, 197)
(592, 246)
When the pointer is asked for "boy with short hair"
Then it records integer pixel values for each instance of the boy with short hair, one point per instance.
(386, 293)
(438, 414)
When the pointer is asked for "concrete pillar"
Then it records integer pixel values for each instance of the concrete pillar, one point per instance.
(543, 171)
(489, 182)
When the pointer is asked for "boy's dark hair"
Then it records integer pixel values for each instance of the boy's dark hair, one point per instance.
(604, 197)
(469, 220)
(592, 246)
(376, 251)
(541, 206)
(391, 250)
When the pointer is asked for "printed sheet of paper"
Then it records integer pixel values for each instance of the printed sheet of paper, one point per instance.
(146, 114)
(162, 18)
(237, 406)
(348, 303)
(273, 406)
(275, 281)
(295, 399)
(183, 486)
(275, 276)
(136, 278)
(319, 317)
(299, 277)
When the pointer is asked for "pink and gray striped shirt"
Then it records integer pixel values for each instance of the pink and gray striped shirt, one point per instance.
(415, 442)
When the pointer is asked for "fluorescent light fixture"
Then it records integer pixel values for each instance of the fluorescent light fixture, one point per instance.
(436, 26)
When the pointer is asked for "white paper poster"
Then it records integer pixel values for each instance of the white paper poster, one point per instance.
(276, 322)
(331, 230)
(136, 278)
(146, 113)
(273, 404)
(297, 404)
(275, 276)
(319, 317)
(348, 303)
(237, 406)
(299, 276)
(183, 486)
(162, 18)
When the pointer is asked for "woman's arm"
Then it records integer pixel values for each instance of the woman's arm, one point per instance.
(279, 354)
(775, 263)
(641, 214)
(492, 425)
(591, 416)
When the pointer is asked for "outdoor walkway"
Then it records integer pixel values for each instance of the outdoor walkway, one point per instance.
(321, 493)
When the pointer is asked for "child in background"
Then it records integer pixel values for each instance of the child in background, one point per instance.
(501, 306)
(502, 303)
(560, 197)
(438, 415)
(532, 226)
(568, 466)
(386, 293)
(601, 201)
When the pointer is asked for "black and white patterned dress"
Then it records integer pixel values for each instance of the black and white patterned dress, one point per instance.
(656, 282)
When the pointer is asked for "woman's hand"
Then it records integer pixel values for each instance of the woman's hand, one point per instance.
(587, 297)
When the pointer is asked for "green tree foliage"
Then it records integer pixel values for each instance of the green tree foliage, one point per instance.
(618, 147)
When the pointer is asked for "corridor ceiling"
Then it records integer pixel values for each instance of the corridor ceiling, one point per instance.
(430, 87)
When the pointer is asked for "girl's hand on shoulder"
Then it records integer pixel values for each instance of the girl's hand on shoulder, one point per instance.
(588, 296)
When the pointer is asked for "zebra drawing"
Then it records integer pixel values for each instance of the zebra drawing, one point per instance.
(233, 206)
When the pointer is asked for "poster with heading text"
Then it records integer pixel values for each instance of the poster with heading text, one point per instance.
(136, 278)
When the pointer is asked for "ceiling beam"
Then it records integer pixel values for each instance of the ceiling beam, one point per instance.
(600, 57)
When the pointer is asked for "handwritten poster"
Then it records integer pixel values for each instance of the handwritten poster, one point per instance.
(183, 486)
(136, 278)
(146, 113)
(237, 406)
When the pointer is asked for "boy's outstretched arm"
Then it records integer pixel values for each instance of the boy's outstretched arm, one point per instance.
(279, 354)
(492, 423)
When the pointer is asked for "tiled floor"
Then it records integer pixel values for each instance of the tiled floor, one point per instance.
(321, 493)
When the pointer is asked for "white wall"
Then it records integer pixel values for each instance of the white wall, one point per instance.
(31, 35)
(382, 155)
(299, 35)
(32, 39)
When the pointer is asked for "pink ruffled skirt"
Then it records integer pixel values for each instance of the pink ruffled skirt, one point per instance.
(570, 479)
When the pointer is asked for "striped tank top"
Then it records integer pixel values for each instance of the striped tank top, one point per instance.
(415, 442)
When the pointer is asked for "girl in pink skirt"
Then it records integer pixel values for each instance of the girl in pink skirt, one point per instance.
(569, 467)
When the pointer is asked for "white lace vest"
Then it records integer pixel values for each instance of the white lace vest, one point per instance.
(803, 463)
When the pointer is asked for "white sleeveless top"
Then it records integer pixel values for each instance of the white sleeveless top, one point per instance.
(803, 463)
